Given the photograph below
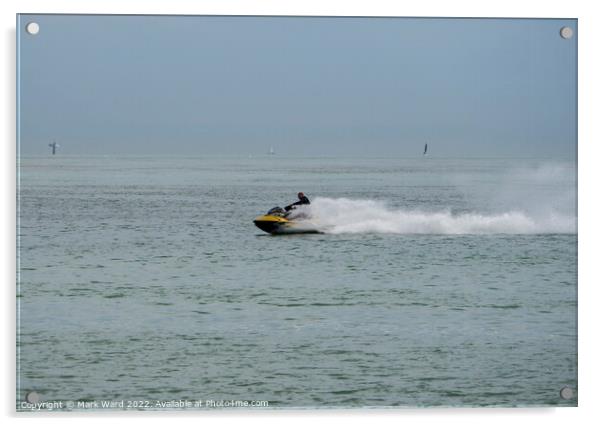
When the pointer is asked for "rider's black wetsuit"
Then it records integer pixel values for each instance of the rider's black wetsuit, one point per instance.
(302, 200)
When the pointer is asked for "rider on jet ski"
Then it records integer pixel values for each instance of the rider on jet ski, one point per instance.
(293, 219)
(302, 200)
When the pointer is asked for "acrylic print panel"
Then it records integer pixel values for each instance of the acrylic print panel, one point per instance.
(431, 260)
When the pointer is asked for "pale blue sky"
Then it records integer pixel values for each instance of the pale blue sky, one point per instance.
(155, 85)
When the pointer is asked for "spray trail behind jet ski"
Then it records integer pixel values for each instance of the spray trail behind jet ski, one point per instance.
(343, 215)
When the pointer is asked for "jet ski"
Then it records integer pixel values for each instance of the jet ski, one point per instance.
(279, 221)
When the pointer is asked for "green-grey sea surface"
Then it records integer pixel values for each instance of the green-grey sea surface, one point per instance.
(436, 282)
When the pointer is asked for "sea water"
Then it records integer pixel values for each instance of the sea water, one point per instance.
(436, 282)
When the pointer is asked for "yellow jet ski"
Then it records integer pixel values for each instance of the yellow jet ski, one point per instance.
(277, 221)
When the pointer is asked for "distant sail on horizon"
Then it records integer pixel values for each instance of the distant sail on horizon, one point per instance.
(425, 148)
(272, 152)
(54, 146)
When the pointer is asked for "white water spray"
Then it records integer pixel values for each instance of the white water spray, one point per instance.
(342, 215)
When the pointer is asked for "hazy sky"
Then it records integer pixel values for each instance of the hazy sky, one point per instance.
(307, 86)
